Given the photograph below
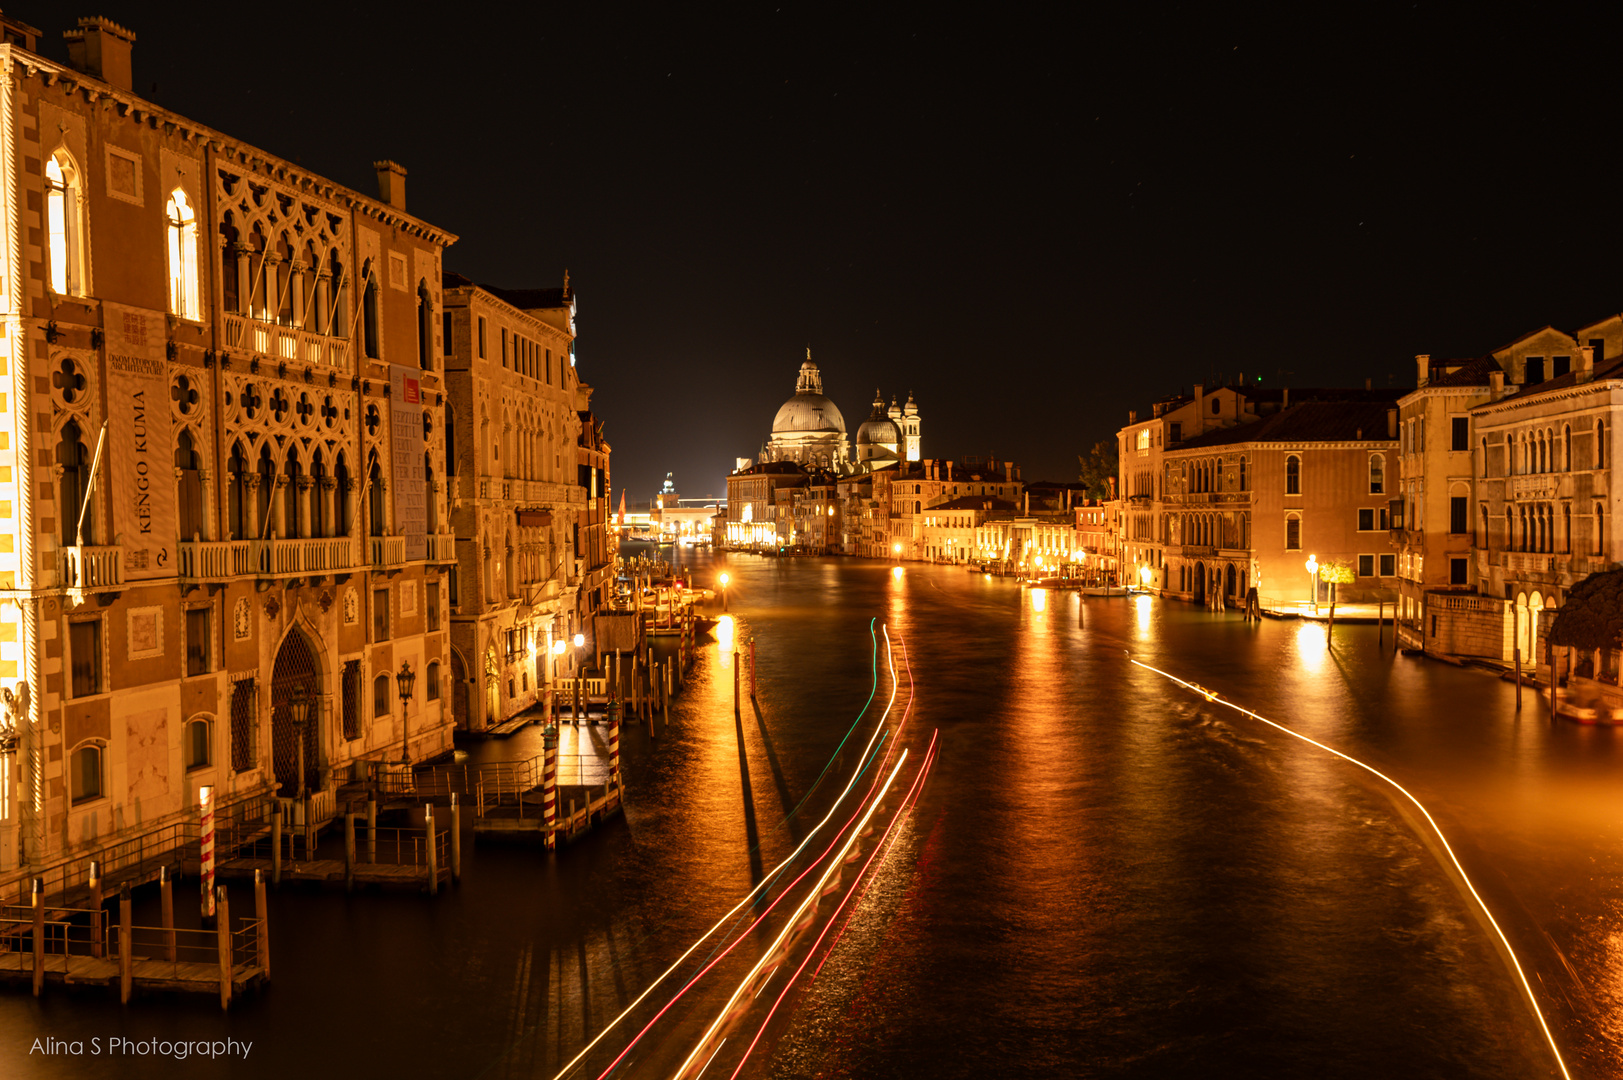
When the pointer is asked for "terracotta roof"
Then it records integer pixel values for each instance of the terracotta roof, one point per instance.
(1312, 421)
(1610, 369)
(1466, 373)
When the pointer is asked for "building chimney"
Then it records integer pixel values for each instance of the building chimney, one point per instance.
(1496, 385)
(391, 183)
(1422, 363)
(101, 48)
(948, 475)
(1008, 472)
(1586, 364)
(1391, 423)
(1132, 416)
(1111, 481)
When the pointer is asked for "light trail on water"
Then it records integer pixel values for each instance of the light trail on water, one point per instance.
(1527, 988)
(765, 881)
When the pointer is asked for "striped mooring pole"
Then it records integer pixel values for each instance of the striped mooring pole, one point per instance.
(614, 711)
(206, 832)
(549, 784)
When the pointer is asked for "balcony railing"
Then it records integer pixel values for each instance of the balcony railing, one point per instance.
(90, 569)
(387, 550)
(210, 560)
(284, 342)
(441, 547)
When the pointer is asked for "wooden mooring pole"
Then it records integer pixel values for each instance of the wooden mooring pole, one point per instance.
(456, 839)
(276, 846)
(222, 939)
(166, 899)
(371, 830)
(262, 916)
(39, 935)
(549, 786)
(433, 854)
(96, 912)
(126, 962)
(349, 851)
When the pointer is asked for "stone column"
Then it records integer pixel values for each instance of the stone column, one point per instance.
(303, 495)
(329, 519)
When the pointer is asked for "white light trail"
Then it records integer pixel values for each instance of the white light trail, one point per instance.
(765, 881)
(1211, 695)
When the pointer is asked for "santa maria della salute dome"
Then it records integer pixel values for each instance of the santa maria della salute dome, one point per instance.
(810, 431)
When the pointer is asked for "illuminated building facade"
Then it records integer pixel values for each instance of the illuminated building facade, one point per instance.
(519, 497)
(221, 422)
(1246, 506)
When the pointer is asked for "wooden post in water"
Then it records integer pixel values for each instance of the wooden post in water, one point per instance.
(648, 671)
(549, 786)
(456, 839)
(166, 899)
(433, 855)
(276, 846)
(39, 935)
(262, 916)
(752, 667)
(222, 939)
(1516, 649)
(636, 687)
(665, 702)
(371, 830)
(125, 960)
(349, 851)
(96, 912)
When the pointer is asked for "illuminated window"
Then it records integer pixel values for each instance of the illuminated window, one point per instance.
(1144, 439)
(1377, 474)
(182, 233)
(64, 219)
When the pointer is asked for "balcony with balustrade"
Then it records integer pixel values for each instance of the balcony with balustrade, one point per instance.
(90, 569)
(441, 547)
(386, 552)
(221, 560)
(287, 343)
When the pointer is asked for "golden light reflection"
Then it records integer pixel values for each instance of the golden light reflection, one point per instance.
(1039, 600)
(724, 632)
(1146, 608)
(1310, 645)
(896, 572)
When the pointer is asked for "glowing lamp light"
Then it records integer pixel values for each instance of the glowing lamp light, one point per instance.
(724, 579)
(1312, 564)
(558, 647)
(580, 639)
(1145, 574)
(724, 631)
(896, 572)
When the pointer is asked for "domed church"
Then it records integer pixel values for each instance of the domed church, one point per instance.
(810, 431)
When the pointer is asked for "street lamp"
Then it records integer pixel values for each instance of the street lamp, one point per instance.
(405, 679)
(1313, 575)
(298, 705)
(725, 578)
(558, 648)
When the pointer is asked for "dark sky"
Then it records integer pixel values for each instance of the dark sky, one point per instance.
(1033, 220)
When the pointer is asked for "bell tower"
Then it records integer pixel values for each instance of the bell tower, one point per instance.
(910, 428)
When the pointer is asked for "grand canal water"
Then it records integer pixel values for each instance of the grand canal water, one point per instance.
(1106, 875)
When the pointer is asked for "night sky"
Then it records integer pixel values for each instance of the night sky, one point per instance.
(1034, 221)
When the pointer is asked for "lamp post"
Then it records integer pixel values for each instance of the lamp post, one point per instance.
(580, 643)
(1313, 575)
(405, 679)
(298, 706)
(558, 648)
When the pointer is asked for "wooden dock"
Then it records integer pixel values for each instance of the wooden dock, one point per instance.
(75, 948)
(521, 818)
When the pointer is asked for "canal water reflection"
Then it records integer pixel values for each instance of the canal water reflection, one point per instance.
(1106, 875)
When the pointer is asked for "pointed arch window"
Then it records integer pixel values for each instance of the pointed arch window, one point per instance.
(74, 460)
(369, 313)
(182, 234)
(425, 327)
(190, 494)
(64, 225)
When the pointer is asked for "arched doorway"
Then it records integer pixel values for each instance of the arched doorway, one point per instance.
(297, 669)
(1229, 582)
(1200, 583)
(459, 691)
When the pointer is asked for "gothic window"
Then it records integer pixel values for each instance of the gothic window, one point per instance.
(369, 313)
(64, 224)
(320, 519)
(182, 234)
(375, 500)
(337, 319)
(341, 508)
(283, 279)
(189, 497)
(1293, 475)
(425, 327)
(75, 462)
(230, 283)
(267, 484)
(293, 473)
(237, 495)
(450, 440)
(257, 301)
(1242, 475)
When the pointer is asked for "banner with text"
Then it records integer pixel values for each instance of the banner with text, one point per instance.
(407, 445)
(140, 465)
